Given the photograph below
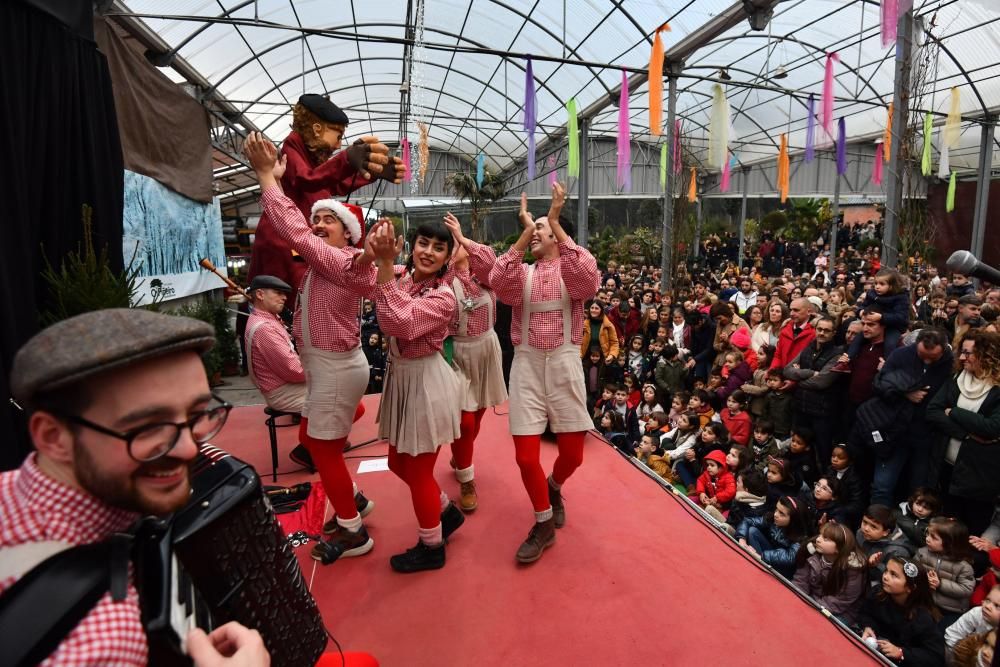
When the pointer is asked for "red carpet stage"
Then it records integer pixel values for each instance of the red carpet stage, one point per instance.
(633, 579)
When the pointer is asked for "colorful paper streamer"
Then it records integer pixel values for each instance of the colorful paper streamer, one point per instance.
(423, 150)
(718, 129)
(925, 160)
(877, 165)
(529, 117)
(724, 183)
(944, 159)
(663, 165)
(573, 137)
(889, 13)
(677, 147)
(952, 186)
(480, 169)
(656, 83)
(953, 126)
(693, 186)
(784, 175)
(407, 172)
(624, 139)
(811, 128)
(553, 172)
(887, 137)
(841, 146)
(826, 106)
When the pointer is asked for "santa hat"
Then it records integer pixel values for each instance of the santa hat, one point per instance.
(349, 214)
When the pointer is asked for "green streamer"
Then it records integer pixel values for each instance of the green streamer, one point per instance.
(663, 165)
(950, 205)
(574, 140)
(925, 163)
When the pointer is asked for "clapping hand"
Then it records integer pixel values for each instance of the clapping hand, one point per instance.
(527, 221)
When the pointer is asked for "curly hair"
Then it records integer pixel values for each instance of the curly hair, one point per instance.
(302, 122)
(987, 349)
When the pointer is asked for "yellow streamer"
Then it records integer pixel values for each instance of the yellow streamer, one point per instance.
(953, 126)
(656, 83)
(693, 187)
(887, 139)
(424, 151)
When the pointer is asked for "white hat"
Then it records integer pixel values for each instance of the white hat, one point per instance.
(349, 214)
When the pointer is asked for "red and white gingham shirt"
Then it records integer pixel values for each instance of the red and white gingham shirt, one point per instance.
(481, 261)
(36, 508)
(417, 315)
(337, 286)
(275, 363)
(576, 267)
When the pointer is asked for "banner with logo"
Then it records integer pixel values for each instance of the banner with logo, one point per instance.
(169, 234)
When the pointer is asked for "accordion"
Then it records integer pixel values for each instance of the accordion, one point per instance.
(223, 558)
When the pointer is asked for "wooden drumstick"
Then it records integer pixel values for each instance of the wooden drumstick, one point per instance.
(206, 264)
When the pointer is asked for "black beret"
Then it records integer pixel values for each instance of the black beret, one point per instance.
(92, 343)
(324, 109)
(269, 282)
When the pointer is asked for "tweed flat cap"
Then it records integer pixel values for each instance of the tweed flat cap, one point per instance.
(269, 282)
(99, 341)
(324, 109)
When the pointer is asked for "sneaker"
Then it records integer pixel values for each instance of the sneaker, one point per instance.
(451, 520)
(300, 456)
(542, 536)
(558, 509)
(344, 544)
(364, 506)
(841, 367)
(418, 559)
(468, 501)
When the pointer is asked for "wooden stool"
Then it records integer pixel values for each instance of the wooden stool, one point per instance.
(272, 433)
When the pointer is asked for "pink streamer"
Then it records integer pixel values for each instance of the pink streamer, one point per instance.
(889, 12)
(826, 108)
(553, 174)
(724, 185)
(624, 139)
(677, 147)
(877, 167)
(407, 175)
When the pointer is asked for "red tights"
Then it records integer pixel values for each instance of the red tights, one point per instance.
(527, 450)
(461, 449)
(418, 473)
(328, 457)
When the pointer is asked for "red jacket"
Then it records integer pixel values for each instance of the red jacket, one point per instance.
(789, 345)
(628, 327)
(722, 487)
(739, 426)
(304, 184)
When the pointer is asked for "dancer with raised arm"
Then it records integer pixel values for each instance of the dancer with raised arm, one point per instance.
(328, 337)
(546, 379)
(476, 350)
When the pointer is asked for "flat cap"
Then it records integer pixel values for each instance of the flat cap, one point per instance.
(99, 341)
(269, 282)
(324, 109)
(970, 300)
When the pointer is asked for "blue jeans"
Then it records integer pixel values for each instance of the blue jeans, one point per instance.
(687, 475)
(758, 540)
(887, 472)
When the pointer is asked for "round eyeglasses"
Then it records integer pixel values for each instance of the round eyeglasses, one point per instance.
(153, 441)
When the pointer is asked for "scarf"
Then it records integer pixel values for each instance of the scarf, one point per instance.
(972, 391)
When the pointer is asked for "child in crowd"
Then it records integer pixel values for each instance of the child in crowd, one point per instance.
(638, 360)
(893, 301)
(777, 407)
(880, 539)
(915, 514)
(698, 403)
(776, 537)
(781, 479)
(632, 389)
(990, 578)
(901, 617)
(611, 425)
(800, 455)
(736, 419)
(713, 437)
(738, 459)
(831, 570)
(975, 621)
(682, 438)
(750, 499)
(628, 413)
(670, 372)
(822, 501)
(735, 372)
(649, 404)
(678, 405)
(763, 446)
(649, 445)
(593, 375)
(716, 486)
(657, 423)
(976, 650)
(852, 488)
(606, 401)
(947, 557)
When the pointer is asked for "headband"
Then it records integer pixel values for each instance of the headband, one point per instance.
(779, 462)
(795, 505)
(909, 568)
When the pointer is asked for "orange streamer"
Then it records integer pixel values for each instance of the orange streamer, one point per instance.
(656, 83)
(784, 172)
(887, 139)
(693, 188)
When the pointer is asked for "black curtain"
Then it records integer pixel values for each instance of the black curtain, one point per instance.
(60, 134)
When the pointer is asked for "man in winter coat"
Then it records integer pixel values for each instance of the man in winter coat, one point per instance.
(816, 397)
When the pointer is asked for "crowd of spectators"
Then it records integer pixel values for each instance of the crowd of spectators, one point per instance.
(840, 419)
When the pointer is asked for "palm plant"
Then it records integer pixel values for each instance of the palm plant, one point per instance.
(480, 198)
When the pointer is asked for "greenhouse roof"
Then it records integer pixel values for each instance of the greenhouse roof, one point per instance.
(467, 76)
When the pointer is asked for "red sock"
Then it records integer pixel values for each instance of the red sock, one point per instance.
(328, 457)
(570, 455)
(527, 450)
(359, 412)
(418, 473)
(462, 448)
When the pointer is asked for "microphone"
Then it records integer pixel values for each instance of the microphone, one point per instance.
(964, 262)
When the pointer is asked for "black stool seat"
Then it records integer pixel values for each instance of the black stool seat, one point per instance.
(272, 431)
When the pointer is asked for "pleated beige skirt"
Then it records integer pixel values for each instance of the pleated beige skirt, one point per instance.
(480, 359)
(421, 404)
(335, 383)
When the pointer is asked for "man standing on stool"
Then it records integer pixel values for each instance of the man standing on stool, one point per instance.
(273, 363)
(546, 378)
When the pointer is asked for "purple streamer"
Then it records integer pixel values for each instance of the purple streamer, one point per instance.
(529, 117)
(811, 129)
(841, 147)
(624, 139)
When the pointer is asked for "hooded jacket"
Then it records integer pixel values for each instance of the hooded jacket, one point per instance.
(845, 603)
(722, 487)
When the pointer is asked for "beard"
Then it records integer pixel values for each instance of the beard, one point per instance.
(319, 152)
(126, 492)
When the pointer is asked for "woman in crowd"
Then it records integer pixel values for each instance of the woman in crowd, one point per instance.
(766, 333)
(598, 328)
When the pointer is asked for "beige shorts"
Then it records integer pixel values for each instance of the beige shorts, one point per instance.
(335, 383)
(287, 397)
(548, 387)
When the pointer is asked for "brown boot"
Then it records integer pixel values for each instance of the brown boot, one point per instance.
(542, 535)
(558, 509)
(468, 500)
